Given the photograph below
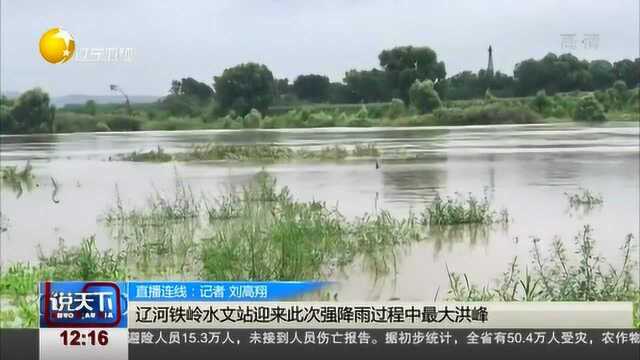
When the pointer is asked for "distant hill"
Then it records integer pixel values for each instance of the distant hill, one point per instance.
(102, 99)
(11, 94)
(61, 101)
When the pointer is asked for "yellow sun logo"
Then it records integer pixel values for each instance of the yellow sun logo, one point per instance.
(57, 45)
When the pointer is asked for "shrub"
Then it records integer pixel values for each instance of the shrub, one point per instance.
(488, 96)
(542, 103)
(124, 123)
(396, 109)
(175, 123)
(7, 122)
(100, 127)
(358, 122)
(589, 109)
(584, 197)
(459, 210)
(423, 96)
(320, 119)
(489, 114)
(67, 122)
(252, 119)
(604, 98)
(363, 113)
(151, 156)
(586, 276)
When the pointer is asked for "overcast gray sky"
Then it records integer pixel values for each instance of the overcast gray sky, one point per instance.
(175, 39)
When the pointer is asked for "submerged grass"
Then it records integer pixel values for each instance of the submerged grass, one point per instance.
(254, 152)
(270, 236)
(158, 155)
(559, 276)
(260, 232)
(584, 197)
(17, 179)
(19, 282)
(462, 210)
(12, 173)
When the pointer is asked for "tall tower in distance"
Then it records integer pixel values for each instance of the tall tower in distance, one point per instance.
(490, 64)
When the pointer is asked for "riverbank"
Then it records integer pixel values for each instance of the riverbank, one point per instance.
(527, 110)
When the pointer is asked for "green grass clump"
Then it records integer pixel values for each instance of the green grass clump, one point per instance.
(238, 152)
(160, 208)
(584, 197)
(19, 282)
(261, 233)
(17, 180)
(376, 239)
(636, 312)
(460, 210)
(254, 152)
(19, 295)
(84, 262)
(365, 150)
(11, 173)
(335, 152)
(272, 237)
(559, 277)
(158, 155)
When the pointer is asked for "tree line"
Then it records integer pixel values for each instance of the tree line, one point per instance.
(253, 86)
(408, 74)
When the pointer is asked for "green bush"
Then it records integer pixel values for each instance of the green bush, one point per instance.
(358, 121)
(579, 274)
(320, 119)
(542, 103)
(604, 98)
(252, 119)
(124, 123)
(485, 115)
(423, 96)
(589, 109)
(68, 122)
(488, 96)
(7, 122)
(396, 109)
(363, 113)
(177, 123)
(101, 127)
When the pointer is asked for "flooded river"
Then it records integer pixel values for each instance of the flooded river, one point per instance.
(525, 169)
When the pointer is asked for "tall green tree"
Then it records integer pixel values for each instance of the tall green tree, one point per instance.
(90, 107)
(340, 93)
(602, 74)
(368, 85)
(628, 71)
(31, 112)
(553, 74)
(243, 87)
(406, 64)
(312, 87)
(423, 96)
(199, 90)
(281, 87)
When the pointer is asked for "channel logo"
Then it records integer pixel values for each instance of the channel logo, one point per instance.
(77, 304)
(57, 45)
